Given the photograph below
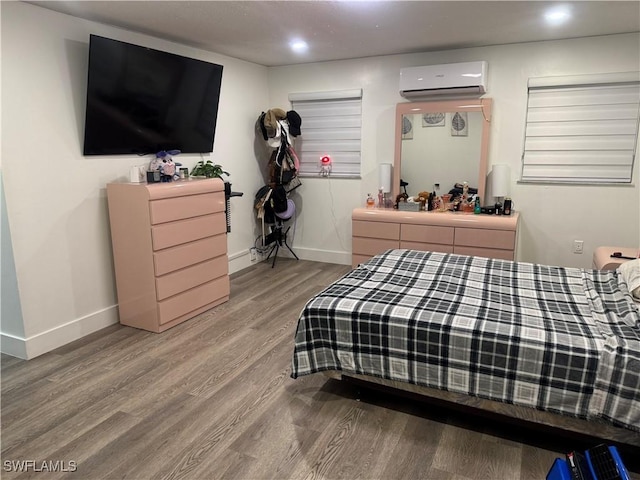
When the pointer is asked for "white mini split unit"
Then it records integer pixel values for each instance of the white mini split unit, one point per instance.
(448, 79)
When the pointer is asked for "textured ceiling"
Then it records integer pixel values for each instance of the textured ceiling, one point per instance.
(260, 31)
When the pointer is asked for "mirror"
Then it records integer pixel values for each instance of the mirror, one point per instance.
(445, 142)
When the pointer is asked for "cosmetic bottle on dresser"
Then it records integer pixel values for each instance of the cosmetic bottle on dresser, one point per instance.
(507, 206)
(370, 201)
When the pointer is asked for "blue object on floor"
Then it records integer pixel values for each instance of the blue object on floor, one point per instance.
(603, 462)
(559, 470)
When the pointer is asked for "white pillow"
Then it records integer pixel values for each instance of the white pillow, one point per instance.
(630, 273)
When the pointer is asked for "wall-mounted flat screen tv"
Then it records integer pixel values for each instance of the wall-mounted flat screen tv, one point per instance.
(141, 100)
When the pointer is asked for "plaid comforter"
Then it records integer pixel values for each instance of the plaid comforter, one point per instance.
(564, 340)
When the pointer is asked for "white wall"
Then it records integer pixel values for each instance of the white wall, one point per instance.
(551, 216)
(10, 308)
(55, 198)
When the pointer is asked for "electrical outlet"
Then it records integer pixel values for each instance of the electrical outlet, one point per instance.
(252, 254)
(578, 246)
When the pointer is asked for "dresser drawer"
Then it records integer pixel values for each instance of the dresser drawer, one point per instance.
(372, 246)
(190, 277)
(427, 234)
(193, 299)
(174, 258)
(476, 237)
(183, 231)
(170, 209)
(484, 252)
(427, 247)
(390, 231)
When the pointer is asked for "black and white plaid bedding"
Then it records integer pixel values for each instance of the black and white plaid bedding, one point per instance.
(565, 340)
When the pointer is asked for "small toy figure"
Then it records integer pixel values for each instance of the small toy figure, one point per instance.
(325, 166)
(163, 162)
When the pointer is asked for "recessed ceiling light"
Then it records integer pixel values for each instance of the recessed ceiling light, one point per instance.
(299, 46)
(557, 15)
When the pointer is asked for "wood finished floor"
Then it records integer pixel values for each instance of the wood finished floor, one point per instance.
(212, 399)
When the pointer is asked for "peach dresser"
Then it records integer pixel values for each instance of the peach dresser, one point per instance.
(602, 259)
(169, 249)
(376, 230)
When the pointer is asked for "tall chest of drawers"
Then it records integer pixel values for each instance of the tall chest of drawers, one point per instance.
(377, 230)
(169, 249)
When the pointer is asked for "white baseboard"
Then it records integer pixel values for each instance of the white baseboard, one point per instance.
(31, 347)
(316, 255)
(14, 346)
(239, 261)
(242, 260)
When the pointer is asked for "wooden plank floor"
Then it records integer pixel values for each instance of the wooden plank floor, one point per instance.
(213, 398)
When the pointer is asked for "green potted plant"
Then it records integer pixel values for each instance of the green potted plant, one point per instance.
(208, 169)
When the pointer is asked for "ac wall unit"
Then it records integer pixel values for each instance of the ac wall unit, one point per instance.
(467, 78)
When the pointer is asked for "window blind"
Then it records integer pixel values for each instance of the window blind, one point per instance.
(331, 125)
(581, 129)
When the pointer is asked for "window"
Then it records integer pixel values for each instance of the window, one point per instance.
(581, 129)
(331, 124)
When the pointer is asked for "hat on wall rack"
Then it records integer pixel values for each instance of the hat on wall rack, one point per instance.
(294, 122)
(289, 212)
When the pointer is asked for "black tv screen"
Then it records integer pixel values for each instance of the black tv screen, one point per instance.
(141, 100)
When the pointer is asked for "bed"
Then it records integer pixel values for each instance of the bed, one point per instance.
(551, 345)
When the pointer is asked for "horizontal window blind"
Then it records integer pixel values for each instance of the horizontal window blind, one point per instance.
(581, 129)
(331, 125)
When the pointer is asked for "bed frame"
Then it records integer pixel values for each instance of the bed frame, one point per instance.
(599, 430)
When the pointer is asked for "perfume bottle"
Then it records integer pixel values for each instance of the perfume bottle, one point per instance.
(477, 208)
(437, 201)
(370, 201)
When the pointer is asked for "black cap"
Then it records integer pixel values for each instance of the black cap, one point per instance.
(261, 126)
(294, 122)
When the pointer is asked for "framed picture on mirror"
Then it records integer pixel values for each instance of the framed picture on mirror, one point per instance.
(407, 128)
(433, 119)
(459, 124)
